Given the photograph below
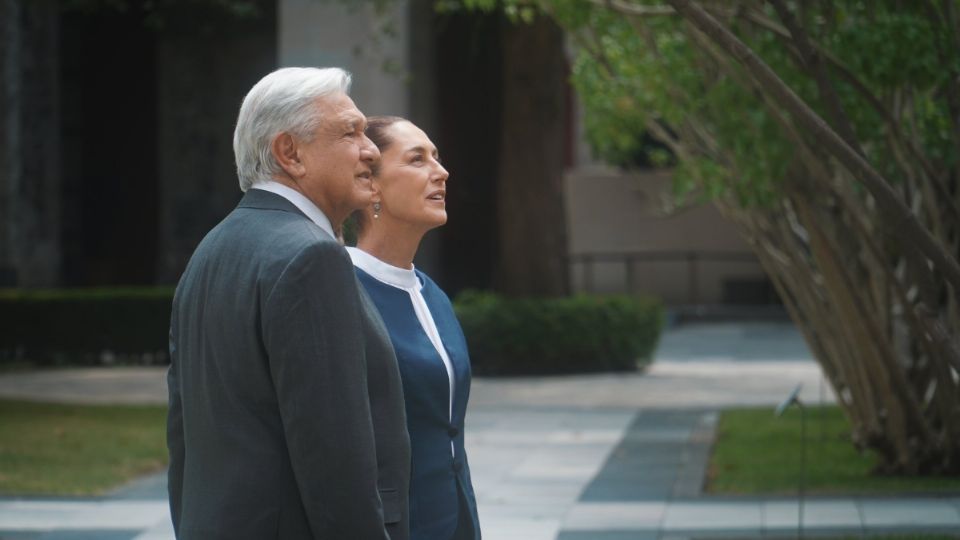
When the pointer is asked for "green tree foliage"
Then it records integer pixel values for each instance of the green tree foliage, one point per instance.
(829, 132)
(633, 74)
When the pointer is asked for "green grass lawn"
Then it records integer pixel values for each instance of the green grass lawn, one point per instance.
(907, 536)
(917, 536)
(902, 537)
(758, 453)
(77, 450)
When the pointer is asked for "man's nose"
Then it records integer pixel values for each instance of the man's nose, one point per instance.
(369, 151)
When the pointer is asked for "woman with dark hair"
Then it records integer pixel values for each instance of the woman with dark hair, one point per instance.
(410, 187)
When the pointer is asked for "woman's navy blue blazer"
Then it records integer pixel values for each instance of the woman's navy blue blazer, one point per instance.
(440, 484)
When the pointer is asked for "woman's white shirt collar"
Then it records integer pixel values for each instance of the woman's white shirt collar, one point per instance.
(402, 278)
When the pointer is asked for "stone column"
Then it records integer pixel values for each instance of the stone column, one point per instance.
(29, 144)
(353, 37)
(10, 173)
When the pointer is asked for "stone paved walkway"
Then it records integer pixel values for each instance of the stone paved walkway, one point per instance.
(604, 457)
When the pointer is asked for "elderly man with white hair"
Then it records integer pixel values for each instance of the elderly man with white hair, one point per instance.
(286, 409)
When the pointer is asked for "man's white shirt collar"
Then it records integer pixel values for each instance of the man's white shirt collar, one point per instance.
(300, 201)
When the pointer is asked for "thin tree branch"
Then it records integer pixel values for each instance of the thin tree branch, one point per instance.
(813, 63)
(762, 21)
(903, 223)
(635, 9)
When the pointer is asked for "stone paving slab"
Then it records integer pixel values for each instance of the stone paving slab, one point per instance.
(713, 516)
(780, 514)
(746, 342)
(829, 514)
(529, 466)
(756, 518)
(160, 531)
(136, 385)
(650, 458)
(521, 529)
(677, 385)
(610, 535)
(70, 535)
(619, 516)
(41, 516)
(917, 512)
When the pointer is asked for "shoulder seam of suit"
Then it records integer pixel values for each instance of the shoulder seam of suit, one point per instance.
(322, 245)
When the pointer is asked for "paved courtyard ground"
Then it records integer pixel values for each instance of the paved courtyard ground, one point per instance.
(595, 457)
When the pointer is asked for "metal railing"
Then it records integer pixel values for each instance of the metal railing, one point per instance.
(694, 261)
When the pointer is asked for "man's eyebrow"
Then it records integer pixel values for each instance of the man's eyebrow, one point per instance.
(353, 121)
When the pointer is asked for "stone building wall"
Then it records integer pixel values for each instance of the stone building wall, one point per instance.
(684, 256)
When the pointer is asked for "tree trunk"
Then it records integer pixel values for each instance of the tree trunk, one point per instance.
(531, 217)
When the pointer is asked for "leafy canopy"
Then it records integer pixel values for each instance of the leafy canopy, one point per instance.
(646, 75)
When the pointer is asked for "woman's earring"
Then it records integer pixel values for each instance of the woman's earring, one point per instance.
(376, 210)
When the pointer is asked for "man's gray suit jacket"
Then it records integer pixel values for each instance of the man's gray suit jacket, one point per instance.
(286, 408)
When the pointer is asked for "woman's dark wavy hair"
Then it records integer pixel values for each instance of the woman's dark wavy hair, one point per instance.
(377, 129)
(377, 132)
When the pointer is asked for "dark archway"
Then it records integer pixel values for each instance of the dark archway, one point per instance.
(469, 67)
(109, 148)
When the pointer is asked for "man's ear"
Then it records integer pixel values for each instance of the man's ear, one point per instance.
(285, 150)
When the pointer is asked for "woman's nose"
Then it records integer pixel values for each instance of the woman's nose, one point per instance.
(441, 174)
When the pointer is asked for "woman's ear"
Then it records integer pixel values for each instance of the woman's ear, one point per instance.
(286, 152)
(377, 192)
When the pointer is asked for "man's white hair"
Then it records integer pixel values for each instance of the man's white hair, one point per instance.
(282, 102)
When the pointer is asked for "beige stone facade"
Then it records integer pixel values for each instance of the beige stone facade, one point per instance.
(625, 236)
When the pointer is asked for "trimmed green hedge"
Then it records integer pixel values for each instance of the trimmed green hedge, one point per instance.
(85, 326)
(505, 336)
(563, 335)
